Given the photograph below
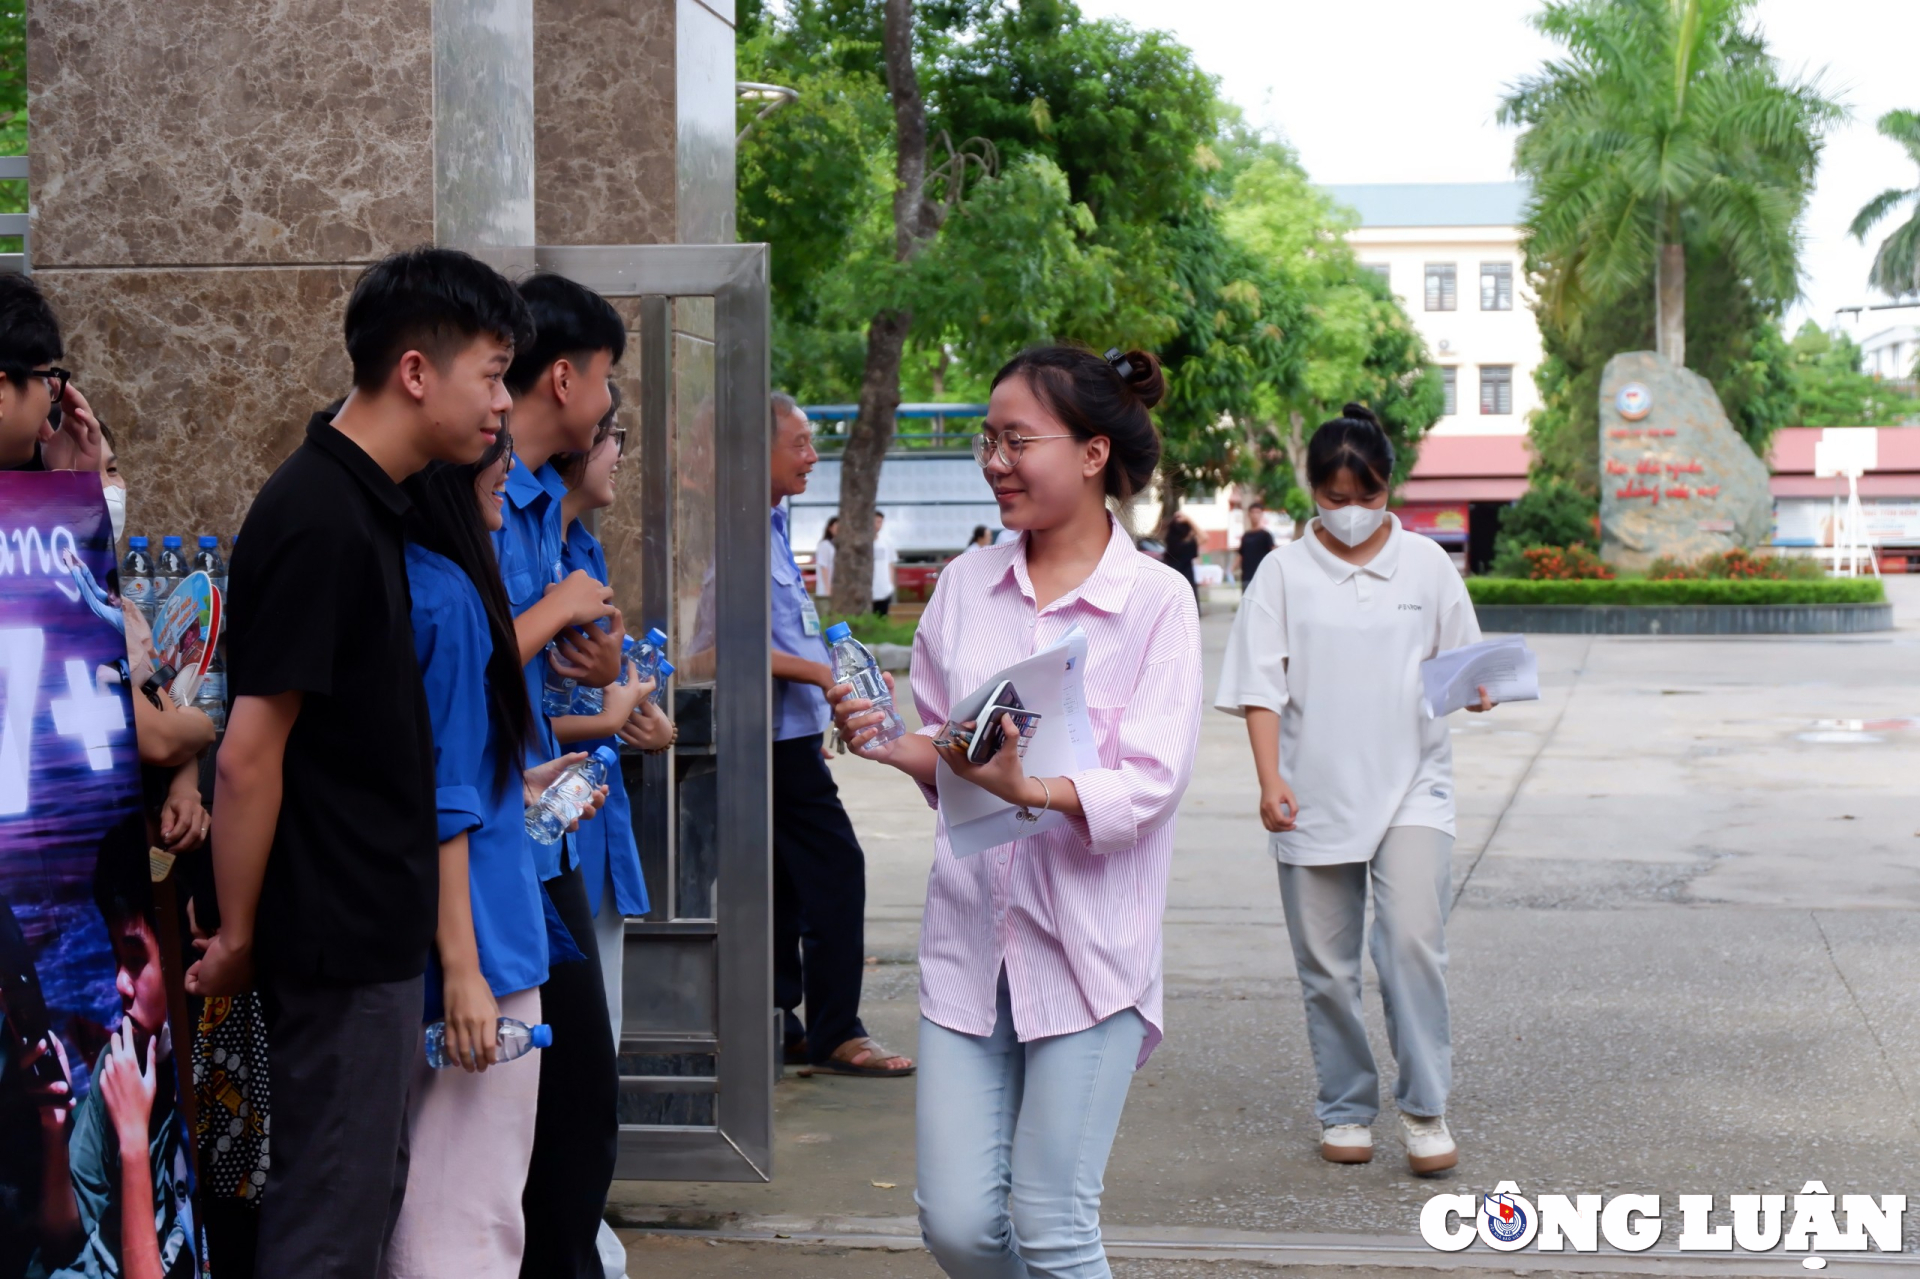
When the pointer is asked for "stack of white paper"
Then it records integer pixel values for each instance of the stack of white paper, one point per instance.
(1507, 668)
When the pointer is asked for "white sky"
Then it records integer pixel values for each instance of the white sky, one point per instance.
(1405, 91)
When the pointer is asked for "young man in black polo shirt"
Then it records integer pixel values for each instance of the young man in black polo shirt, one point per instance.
(326, 845)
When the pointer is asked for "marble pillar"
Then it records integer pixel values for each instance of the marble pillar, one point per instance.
(207, 179)
(634, 110)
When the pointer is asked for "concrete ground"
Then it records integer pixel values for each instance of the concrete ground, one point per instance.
(1684, 949)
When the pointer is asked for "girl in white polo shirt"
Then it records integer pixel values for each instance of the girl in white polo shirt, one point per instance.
(1356, 783)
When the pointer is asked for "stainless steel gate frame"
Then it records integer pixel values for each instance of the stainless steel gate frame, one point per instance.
(698, 986)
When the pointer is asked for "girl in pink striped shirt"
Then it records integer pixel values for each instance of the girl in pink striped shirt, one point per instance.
(1040, 989)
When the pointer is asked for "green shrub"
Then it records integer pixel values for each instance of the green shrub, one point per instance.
(871, 630)
(1552, 512)
(1838, 590)
(1738, 565)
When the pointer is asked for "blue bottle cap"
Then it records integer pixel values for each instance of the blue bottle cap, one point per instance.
(656, 637)
(666, 668)
(208, 541)
(171, 542)
(540, 1036)
(839, 631)
(137, 543)
(627, 643)
(608, 756)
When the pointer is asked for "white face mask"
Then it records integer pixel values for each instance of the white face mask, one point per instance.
(117, 509)
(1351, 524)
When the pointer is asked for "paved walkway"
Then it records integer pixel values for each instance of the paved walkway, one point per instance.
(1683, 960)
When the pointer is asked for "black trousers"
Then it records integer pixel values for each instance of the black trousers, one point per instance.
(819, 901)
(882, 607)
(577, 1131)
(339, 1060)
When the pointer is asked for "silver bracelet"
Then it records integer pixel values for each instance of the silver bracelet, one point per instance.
(1027, 814)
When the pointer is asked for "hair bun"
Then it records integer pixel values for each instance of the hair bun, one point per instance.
(1147, 382)
(1359, 413)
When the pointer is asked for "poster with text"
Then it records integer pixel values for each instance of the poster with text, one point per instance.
(94, 1177)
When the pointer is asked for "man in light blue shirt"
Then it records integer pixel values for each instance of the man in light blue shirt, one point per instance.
(819, 872)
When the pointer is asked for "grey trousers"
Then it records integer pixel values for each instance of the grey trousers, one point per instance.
(1411, 876)
(339, 1061)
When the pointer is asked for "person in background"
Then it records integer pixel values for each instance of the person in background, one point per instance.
(1040, 960)
(823, 554)
(470, 1128)
(819, 871)
(1183, 547)
(172, 738)
(883, 558)
(1356, 782)
(1255, 544)
(982, 538)
(561, 392)
(327, 850)
(609, 859)
(45, 423)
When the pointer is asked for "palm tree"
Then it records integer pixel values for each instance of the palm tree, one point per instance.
(1666, 130)
(1896, 267)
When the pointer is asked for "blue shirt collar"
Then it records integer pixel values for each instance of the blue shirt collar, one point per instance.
(526, 486)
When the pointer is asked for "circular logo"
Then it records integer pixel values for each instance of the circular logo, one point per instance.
(1634, 401)
(1506, 1219)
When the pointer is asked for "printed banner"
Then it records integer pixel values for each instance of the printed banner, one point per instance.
(94, 1177)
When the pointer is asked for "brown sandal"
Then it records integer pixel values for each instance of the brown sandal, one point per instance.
(851, 1058)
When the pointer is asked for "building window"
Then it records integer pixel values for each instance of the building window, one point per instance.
(1440, 287)
(1496, 286)
(1496, 388)
(1382, 269)
(1450, 384)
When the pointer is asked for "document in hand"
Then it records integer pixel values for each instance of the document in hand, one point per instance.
(1050, 683)
(1451, 679)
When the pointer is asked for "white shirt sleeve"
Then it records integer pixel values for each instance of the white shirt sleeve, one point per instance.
(1459, 624)
(1255, 670)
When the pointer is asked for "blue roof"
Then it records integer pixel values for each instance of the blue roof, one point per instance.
(1434, 203)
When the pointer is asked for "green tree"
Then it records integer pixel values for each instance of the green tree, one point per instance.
(1896, 267)
(1666, 134)
(1831, 389)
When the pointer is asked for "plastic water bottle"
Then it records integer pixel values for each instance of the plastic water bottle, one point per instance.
(556, 690)
(662, 672)
(650, 655)
(563, 802)
(591, 701)
(136, 577)
(207, 560)
(854, 664)
(513, 1039)
(168, 568)
(211, 696)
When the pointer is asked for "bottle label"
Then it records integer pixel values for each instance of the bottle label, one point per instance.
(137, 589)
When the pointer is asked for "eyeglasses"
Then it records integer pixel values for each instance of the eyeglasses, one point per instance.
(57, 379)
(1008, 446)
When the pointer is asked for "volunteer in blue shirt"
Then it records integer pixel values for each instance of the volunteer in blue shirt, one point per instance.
(819, 872)
(609, 859)
(471, 1130)
(561, 391)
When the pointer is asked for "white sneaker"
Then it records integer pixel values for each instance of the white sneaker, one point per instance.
(1346, 1143)
(1430, 1147)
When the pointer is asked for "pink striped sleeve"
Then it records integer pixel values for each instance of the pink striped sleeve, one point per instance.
(1155, 744)
(927, 675)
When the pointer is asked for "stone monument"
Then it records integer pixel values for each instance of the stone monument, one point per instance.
(1676, 479)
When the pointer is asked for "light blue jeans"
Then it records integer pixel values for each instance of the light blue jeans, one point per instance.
(1411, 875)
(1013, 1142)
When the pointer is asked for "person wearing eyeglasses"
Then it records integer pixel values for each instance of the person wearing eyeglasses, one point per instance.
(1040, 960)
(609, 858)
(45, 423)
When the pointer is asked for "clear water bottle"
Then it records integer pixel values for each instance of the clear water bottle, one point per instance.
(562, 803)
(556, 690)
(168, 568)
(627, 644)
(513, 1039)
(211, 696)
(650, 655)
(207, 560)
(854, 664)
(136, 577)
(662, 672)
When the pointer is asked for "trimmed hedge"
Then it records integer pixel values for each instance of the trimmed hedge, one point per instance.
(1634, 591)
